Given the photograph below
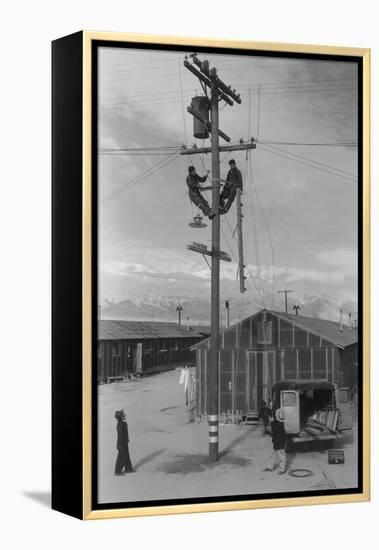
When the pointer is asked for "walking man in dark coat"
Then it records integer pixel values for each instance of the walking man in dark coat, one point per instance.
(123, 458)
(278, 455)
(232, 182)
(194, 190)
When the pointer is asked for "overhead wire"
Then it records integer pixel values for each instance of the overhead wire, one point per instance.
(268, 88)
(313, 161)
(306, 144)
(266, 228)
(287, 156)
(230, 228)
(151, 170)
(258, 290)
(176, 98)
(183, 110)
(252, 208)
(256, 245)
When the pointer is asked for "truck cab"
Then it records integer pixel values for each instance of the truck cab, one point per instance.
(314, 409)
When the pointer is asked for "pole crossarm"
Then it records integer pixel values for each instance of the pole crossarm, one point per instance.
(202, 249)
(228, 148)
(227, 90)
(206, 81)
(204, 68)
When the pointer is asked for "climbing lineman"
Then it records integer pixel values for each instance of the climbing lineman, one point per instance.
(194, 190)
(232, 182)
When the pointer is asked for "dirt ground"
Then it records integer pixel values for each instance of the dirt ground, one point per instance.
(171, 455)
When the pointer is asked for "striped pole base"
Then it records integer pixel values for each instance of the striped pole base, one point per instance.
(213, 437)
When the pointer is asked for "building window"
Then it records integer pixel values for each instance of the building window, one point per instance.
(265, 332)
(99, 355)
(115, 349)
(163, 346)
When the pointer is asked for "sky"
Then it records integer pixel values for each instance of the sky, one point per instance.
(300, 199)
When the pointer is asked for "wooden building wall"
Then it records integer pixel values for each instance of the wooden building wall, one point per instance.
(246, 377)
(253, 358)
(116, 357)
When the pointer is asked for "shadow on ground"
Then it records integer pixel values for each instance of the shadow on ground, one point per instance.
(235, 442)
(170, 408)
(195, 463)
(148, 458)
(42, 497)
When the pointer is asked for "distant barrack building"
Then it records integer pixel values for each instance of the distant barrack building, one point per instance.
(126, 347)
(268, 347)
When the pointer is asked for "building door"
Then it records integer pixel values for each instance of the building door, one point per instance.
(261, 377)
(137, 358)
(344, 405)
(252, 404)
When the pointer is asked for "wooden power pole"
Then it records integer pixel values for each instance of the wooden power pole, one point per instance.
(179, 309)
(241, 264)
(219, 91)
(285, 292)
(227, 304)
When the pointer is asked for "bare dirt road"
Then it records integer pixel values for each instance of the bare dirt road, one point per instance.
(171, 455)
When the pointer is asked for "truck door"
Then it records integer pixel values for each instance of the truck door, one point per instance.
(289, 402)
(344, 405)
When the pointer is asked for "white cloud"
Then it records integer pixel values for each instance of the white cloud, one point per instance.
(346, 260)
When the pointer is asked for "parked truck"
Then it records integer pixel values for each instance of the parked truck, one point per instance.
(314, 409)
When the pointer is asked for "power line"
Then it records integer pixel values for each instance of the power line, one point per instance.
(173, 59)
(325, 144)
(254, 85)
(225, 218)
(265, 224)
(268, 88)
(160, 164)
(183, 110)
(255, 234)
(160, 147)
(176, 97)
(314, 161)
(307, 164)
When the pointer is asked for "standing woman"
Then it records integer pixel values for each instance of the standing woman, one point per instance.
(123, 458)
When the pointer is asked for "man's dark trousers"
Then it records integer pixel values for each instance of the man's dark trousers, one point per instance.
(123, 460)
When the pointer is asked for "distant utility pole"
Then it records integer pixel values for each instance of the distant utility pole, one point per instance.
(227, 313)
(179, 309)
(219, 91)
(285, 292)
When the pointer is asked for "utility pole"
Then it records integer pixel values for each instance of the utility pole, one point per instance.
(241, 265)
(215, 277)
(285, 292)
(227, 313)
(219, 91)
(179, 309)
